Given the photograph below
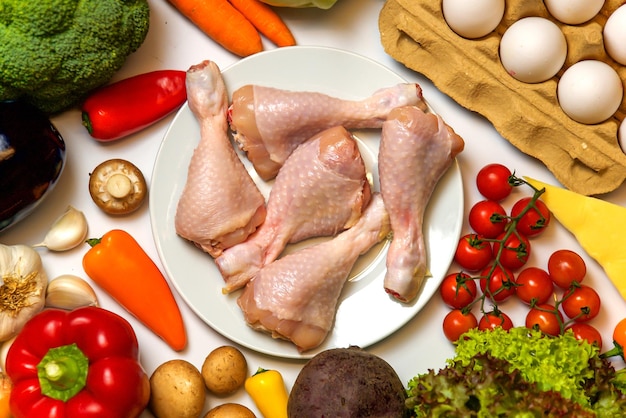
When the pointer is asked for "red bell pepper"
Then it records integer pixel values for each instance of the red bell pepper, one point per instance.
(83, 363)
(127, 106)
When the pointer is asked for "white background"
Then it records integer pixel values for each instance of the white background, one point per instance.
(174, 43)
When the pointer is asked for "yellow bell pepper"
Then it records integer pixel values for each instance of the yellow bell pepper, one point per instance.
(267, 390)
(598, 225)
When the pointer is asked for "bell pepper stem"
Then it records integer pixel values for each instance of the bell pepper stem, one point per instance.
(62, 372)
(93, 241)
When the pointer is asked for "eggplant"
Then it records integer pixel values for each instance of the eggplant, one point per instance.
(32, 157)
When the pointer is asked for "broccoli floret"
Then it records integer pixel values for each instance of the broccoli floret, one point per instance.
(53, 52)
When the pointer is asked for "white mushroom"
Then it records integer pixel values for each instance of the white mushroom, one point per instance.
(117, 186)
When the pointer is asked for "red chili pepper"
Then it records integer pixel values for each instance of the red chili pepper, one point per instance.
(127, 106)
(82, 363)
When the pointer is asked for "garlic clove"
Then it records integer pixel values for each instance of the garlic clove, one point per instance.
(4, 350)
(67, 232)
(70, 292)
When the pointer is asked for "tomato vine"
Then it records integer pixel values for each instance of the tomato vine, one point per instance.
(501, 244)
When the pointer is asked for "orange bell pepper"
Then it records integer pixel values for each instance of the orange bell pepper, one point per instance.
(118, 264)
(5, 394)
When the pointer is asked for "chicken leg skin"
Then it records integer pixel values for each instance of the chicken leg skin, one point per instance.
(416, 149)
(321, 190)
(270, 123)
(220, 204)
(296, 296)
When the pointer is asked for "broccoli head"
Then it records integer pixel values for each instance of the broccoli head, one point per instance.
(53, 52)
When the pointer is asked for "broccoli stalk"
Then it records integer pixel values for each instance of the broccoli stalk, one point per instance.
(54, 52)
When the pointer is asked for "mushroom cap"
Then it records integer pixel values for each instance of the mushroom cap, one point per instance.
(117, 186)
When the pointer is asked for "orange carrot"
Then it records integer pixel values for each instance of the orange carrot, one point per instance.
(222, 23)
(266, 20)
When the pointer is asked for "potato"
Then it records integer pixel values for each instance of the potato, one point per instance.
(347, 382)
(177, 390)
(224, 370)
(230, 410)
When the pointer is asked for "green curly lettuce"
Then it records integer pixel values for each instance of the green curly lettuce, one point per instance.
(484, 387)
(559, 364)
(321, 4)
(542, 365)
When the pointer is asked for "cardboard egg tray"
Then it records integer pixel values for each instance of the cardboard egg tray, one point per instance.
(585, 158)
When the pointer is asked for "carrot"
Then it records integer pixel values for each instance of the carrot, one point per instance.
(222, 23)
(118, 264)
(266, 20)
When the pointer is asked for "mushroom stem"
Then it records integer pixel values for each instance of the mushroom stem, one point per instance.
(119, 186)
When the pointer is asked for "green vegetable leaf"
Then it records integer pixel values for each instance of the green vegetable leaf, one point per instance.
(559, 363)
(483, 387)
(520, 373)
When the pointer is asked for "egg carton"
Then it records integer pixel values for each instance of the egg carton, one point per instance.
(586, 159)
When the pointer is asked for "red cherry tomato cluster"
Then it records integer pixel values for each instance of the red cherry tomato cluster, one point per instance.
(493, 257)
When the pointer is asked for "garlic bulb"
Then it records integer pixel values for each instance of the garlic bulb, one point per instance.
(70, 292)
(67, 232)
(22, 287)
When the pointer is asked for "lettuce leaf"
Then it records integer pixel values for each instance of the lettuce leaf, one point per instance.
(322, 4)
(560, 363)
(500, 373)
(484, 387)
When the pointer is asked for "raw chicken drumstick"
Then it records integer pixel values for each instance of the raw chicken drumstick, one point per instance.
(296, 296)
(269, 123)
(220, 205)
(416, 149)
(321, 190)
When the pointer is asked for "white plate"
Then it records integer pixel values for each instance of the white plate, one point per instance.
(365, 314)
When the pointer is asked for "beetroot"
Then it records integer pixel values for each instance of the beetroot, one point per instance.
(347, 382)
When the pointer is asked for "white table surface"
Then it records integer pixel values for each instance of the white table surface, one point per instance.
(174, 43)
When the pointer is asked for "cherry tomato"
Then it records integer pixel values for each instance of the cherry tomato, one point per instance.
(581, 304)
(501, 283)
(583, 331)
(457, 323)
(534, 285)
(565, 267)
(546, 318)
(493, 181)
(472, 253)
(458, 290)
(619, 340)
(491, 320)
(488, 218)
(515, 251)
(535, 220)
(619, 333)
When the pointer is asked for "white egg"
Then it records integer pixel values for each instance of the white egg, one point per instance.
(533, 49)
(473, 19)
(615, 35)
(574, 12)
(590, 91)
(621, 135)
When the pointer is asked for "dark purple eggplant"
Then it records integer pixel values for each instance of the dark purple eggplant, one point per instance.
(32, 157)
